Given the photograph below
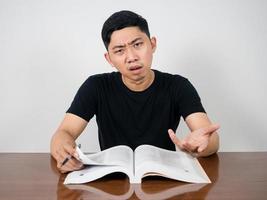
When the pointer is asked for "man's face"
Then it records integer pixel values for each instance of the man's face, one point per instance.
(130, 51)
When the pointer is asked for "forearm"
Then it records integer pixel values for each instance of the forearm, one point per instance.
(213, 146)
(68, 131)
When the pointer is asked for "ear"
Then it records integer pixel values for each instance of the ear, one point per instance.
(108, 59)
(153, 44)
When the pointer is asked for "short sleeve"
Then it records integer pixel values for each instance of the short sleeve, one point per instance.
(84, 103)
(187, 99)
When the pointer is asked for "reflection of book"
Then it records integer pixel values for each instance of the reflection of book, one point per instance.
(173, 190)
(146, 160)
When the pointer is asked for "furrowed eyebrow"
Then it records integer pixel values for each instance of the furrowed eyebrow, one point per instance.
(135, 40)
(118, 47)
(130, 43)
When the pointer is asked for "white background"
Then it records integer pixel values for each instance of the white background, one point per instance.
(48, 48)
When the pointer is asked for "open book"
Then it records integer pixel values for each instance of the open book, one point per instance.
(146, 160)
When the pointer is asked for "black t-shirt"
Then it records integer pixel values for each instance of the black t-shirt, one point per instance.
(125, 117)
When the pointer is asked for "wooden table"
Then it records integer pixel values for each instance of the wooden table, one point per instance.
(233, 175)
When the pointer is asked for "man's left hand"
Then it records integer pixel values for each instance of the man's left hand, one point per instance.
(195, 142)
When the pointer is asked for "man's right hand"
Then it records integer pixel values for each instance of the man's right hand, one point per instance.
(63, 143)
(67, 157)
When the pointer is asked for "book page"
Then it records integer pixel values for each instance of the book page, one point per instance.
(178, 165)
(115, 159)
(118, 155)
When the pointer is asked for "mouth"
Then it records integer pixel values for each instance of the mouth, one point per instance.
(135, 68)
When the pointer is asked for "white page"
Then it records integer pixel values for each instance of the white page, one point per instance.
(118, 155)
(172, 164)
(86, 160)
(115, 159)
(91, 173)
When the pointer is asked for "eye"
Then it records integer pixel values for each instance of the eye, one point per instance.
(138, 44)
(119, 52)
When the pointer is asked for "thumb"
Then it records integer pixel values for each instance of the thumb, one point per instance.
(210, 129)
(175, 140)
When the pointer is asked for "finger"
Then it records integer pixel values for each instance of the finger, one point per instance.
(70, 148)
(190, 147)
(175, 140)
(74, 163)
(62, 155)
(76, 154)
(63, 159)
(70, 170)
(202, 147)
(71, 165)
(66, 158)
(193, 141)
(63, 151)
(209, 129)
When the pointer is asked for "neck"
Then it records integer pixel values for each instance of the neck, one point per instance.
(140, 85)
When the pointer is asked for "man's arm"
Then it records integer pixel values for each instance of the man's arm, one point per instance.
(63, 142)
(203, 140)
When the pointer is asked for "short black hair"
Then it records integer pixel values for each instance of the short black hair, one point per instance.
(120, 20)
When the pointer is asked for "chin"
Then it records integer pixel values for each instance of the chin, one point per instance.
(139, 78)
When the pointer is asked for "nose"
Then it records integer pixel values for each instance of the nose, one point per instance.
(131, 55)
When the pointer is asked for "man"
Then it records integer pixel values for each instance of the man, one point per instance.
(136, 105)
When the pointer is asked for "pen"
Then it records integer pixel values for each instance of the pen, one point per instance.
(68, 157)
(66, 160)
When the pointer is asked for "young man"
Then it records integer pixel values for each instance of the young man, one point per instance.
(136, 105)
